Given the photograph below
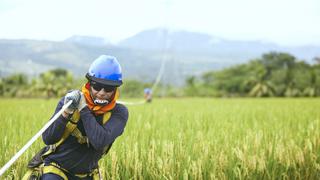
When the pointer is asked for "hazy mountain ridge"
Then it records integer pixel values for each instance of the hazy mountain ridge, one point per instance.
(183, 41)
(88, 40)
(187, 53)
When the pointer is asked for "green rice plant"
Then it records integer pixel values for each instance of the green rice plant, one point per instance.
(189, 138)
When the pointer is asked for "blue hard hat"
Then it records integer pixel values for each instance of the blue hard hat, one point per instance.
(105, 70)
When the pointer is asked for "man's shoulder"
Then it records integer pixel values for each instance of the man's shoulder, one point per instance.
(121, 109)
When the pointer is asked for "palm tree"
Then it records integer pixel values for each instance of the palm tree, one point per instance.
(53, 83)
(314, 86)
(261, 86)
(262, 89)
(14, 83)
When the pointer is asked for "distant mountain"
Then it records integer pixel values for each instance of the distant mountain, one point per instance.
(185, 54)
(34, 57)
(88, 40)
(158, 39)
(203, 44)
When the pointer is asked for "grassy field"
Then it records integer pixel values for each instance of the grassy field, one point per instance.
(190, 139)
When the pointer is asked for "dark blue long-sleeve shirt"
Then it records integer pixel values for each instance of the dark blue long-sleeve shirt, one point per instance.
(81, 158)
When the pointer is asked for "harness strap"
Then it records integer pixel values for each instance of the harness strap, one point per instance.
(56, 169)
(80, 138)
(84, 139)
(70, 126)
(52, 148)
(106, 117)
(71, 129)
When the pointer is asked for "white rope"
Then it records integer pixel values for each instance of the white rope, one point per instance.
(160, 74)
(132, 103)
(165, 57)
(33, 139)
(163, 62)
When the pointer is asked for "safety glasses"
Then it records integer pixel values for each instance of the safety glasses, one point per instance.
(97, 86)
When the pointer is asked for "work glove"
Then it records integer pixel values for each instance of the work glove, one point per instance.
(82, 102)
(75, 96)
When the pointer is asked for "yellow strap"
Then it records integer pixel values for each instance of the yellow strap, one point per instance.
(54, 170)
(106, 117)
(51, 150)
(69, 127)
(81, 139)
(93, 174)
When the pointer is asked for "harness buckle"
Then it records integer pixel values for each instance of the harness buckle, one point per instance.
(52, 147)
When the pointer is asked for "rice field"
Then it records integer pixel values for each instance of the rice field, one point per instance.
(189, 138)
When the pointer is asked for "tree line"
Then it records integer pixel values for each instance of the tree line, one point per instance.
(56, 83)
(274, 74)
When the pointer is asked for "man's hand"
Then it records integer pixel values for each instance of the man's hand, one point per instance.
(75, 96)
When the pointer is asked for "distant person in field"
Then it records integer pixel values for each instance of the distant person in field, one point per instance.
(99, 121)
(148, 95)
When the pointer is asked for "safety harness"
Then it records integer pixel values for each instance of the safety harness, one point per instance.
(36, 165)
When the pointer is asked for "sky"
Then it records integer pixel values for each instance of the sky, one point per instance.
(286, 22)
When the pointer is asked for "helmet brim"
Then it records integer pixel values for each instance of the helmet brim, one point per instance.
(104, 81)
